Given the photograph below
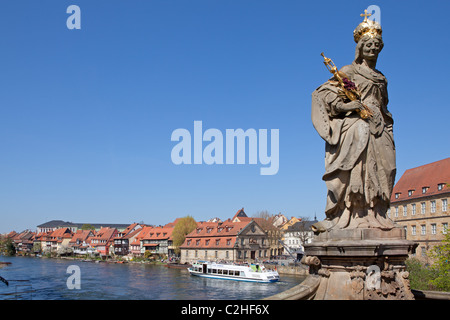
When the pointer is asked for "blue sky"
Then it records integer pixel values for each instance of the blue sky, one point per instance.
(87, 115)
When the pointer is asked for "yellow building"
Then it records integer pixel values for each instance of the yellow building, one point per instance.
(419, 203)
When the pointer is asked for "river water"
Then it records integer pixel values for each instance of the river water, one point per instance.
(46, 279)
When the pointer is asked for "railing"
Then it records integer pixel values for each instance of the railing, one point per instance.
(430, 295)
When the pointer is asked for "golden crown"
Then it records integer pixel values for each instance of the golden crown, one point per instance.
(367, 27)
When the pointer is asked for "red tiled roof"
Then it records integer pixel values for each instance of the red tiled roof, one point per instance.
(430, 176)
(62, 232)
(11, 235)
(132, 234)
(104, 237)
(215, 234)
(172, 224)
(240, 215)
(81, 235)
(158, 233)
(211, 229)
(105, 233)
(151, 244)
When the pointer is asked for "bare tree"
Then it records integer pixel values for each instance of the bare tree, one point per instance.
(305, 229)
(274, 234)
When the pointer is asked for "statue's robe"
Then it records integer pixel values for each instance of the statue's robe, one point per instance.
(360, 154)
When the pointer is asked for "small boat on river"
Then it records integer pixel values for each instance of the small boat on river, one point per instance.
(254, 272)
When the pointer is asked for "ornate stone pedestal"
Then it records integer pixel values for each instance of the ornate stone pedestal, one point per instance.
(360, 264)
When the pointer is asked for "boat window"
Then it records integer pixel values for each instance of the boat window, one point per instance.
(219, 271)
(242, 274)
(225, 271)
(209, 270)
(214, 270)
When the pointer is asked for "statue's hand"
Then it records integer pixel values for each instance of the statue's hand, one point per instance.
(351, 106)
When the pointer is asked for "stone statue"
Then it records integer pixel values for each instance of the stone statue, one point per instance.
(360, 152)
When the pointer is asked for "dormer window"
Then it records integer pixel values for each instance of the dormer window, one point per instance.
(410, 192)
(424, 190)
(441, 186)
(397, 195)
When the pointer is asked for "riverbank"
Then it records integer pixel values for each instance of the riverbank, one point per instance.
(297, 270)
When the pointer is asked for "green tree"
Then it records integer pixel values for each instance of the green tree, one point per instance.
(420, 275)
(37, 248)
(441, 264)
(87, 226)
(9, 248)
(183, 227)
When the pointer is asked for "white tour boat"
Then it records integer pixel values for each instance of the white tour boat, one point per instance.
(246, 272)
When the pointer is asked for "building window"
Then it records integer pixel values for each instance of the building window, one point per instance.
(389, 212)
(424, 189)
(444, 205)
(397, 195)
(444, 228)
(423, 207)
(423, 230)
(405, 210)
(424, 251)
(413, 209)
(433, 206)
(413, 230)
(396, 212)
(440, 186)
(433, 228)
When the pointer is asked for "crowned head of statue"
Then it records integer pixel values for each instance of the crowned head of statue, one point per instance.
(367, 35)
